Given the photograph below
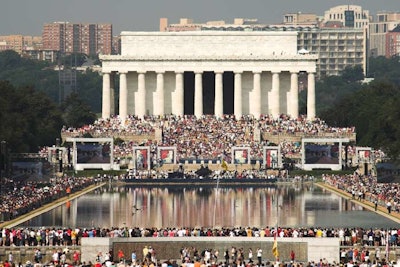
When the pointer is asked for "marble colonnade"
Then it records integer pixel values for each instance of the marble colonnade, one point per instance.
(248, 98)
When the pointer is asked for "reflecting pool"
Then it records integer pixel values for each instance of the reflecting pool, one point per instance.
(294, 205)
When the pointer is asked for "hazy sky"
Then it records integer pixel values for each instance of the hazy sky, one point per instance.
(28, 16)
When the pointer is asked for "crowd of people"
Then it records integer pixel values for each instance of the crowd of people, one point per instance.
(208, 137)
(18, 197)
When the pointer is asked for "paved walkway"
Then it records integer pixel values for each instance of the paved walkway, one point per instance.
(394, 216)
(25, 217)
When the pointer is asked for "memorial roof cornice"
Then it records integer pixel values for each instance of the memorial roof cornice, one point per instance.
(210, 58)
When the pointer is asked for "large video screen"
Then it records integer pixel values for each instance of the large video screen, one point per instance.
(93, 152)
(322, 153)
(388, 172)
(30, 168)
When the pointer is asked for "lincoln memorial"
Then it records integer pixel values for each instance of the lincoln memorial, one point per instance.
(165, 73)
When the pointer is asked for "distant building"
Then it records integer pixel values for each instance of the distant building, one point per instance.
(337, 46)
(89, 39)
(350, 16)
(301, 19)
(393, 42)
(42, 55)
(20, 43)
(378, 29)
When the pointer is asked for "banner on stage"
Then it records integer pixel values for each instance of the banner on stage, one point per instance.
(141, 157)
(167, 155)
(241, 155)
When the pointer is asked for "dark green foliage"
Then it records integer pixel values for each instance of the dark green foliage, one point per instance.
(90, 86)
(28, 119)
(29, 115)
(373, 109)
(75, 112)
(383, 69)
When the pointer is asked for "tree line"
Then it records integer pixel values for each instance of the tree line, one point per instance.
(32, 116)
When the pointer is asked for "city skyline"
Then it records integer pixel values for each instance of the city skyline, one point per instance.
(131, 15)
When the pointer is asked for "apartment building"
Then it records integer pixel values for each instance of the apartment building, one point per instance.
(89, 39)
(393, 42)
(378, 29)
(337, 48)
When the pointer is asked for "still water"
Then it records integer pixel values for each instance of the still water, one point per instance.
(285, 205)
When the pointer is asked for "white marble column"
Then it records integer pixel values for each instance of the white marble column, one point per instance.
(311, 96)
(106, 104)
(112, 94)
(293, 106)
(159, 107)
(140, 101)
(178, 105)
(275, 107)
(219, 95)
(238, 108)
(256, 104)
(123, 96)
(198, 94)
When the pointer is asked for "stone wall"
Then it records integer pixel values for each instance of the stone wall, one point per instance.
(306, 249)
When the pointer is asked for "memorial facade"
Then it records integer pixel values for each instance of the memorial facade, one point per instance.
(263, 67)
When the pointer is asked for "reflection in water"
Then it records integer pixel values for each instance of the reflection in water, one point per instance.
(288, 206)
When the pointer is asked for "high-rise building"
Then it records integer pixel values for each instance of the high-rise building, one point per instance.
(89, 39)
(393, 42)
(382, 24)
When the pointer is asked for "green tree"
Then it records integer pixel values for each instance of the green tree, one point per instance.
(29, 119)
(75, 112)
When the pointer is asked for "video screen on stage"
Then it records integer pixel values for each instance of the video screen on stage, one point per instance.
(388, 172)
(322, 153)
(30, 168)
(93, 152)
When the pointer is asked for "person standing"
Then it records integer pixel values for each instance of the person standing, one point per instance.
(389, 206)
(250, 255)
(292, 255)
(259, 256)
(10, 258)
(76, 257)
(133, 258)
(121, 255)
(226, 256)
(145, 252)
